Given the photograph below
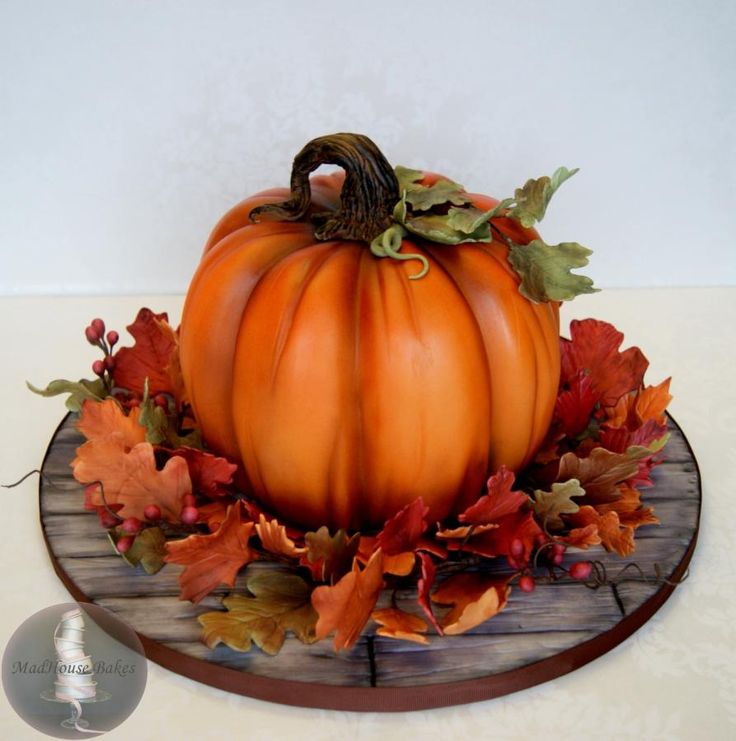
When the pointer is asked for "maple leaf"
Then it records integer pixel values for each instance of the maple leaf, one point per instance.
(346, 606)
(601, 471)
(424, 587)
(154, 356)
(474, 598)
(401, 533)
(594, 349)
(128, 476)
(549, 505)
(100, 418)
(280, 603)
(464, 531)
(499, 501)
(275, 540)
(211, 560)
(209, 473)
(613, 535)
(396, 623)
(645, 405)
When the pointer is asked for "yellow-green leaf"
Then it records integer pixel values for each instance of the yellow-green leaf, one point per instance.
(534, 197)
(280, 602)
(549, 505)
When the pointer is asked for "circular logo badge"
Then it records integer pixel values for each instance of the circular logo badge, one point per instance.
(74, 671)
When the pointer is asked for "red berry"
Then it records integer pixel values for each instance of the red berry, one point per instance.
(152, 512)
(189, 515)
(109, 363)
(132, 525)
(580, 570)
(517, 548)
(112, 337)
(189, 500)
(91, 334)
(123, 545)
(99, 326)
(161, 401)
(557, 553)
(98, 368)
(527, 583)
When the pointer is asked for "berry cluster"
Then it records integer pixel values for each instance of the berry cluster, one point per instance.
(95, 334)
(550, 552)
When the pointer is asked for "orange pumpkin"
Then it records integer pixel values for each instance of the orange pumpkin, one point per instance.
(344, 389)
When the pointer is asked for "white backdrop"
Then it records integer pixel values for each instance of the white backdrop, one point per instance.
(127, 128)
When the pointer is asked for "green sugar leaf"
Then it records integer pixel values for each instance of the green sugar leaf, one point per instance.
(79, 391)
(534, 197)
(545, 270)
(425, 197)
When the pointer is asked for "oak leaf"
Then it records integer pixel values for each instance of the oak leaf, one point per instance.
(100, 418)
(498, 541)
(280, 603)
(581, 537)
(601, 471)
(593, 348)
(396, 623)
(474, 598)
(499, 502)
(148, 549)
(549, 505)
(129, 476)
(211, 560)
(614, 536)
(154, 356)
(629, 508)
(345, 607)
(210, 474)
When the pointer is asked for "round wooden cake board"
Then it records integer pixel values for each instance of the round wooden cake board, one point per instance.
(539, 636)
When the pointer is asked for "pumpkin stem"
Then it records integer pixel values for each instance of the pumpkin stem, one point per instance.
(368, 196)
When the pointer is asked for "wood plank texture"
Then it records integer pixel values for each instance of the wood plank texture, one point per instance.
(555, 618)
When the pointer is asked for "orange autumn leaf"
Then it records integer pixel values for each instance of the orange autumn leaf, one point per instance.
(211, 560)
(402, 625)
(629, 509)
(213, 513)
(346, 606)
(474, 599)
(636, 408)
(327, 556)
(398, 564)
(129, 477)
(614, 536)
(652, 401)
(154, 356)
(601, 471)
(100, 418)
(464, 531)
(275, 540)
(581, 537)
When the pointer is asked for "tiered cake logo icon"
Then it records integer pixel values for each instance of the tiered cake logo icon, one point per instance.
(74, 670)
(75, 680)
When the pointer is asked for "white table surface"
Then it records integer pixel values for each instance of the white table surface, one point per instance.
(673, 679)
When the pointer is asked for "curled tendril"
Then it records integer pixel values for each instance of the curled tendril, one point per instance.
(388, 244)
